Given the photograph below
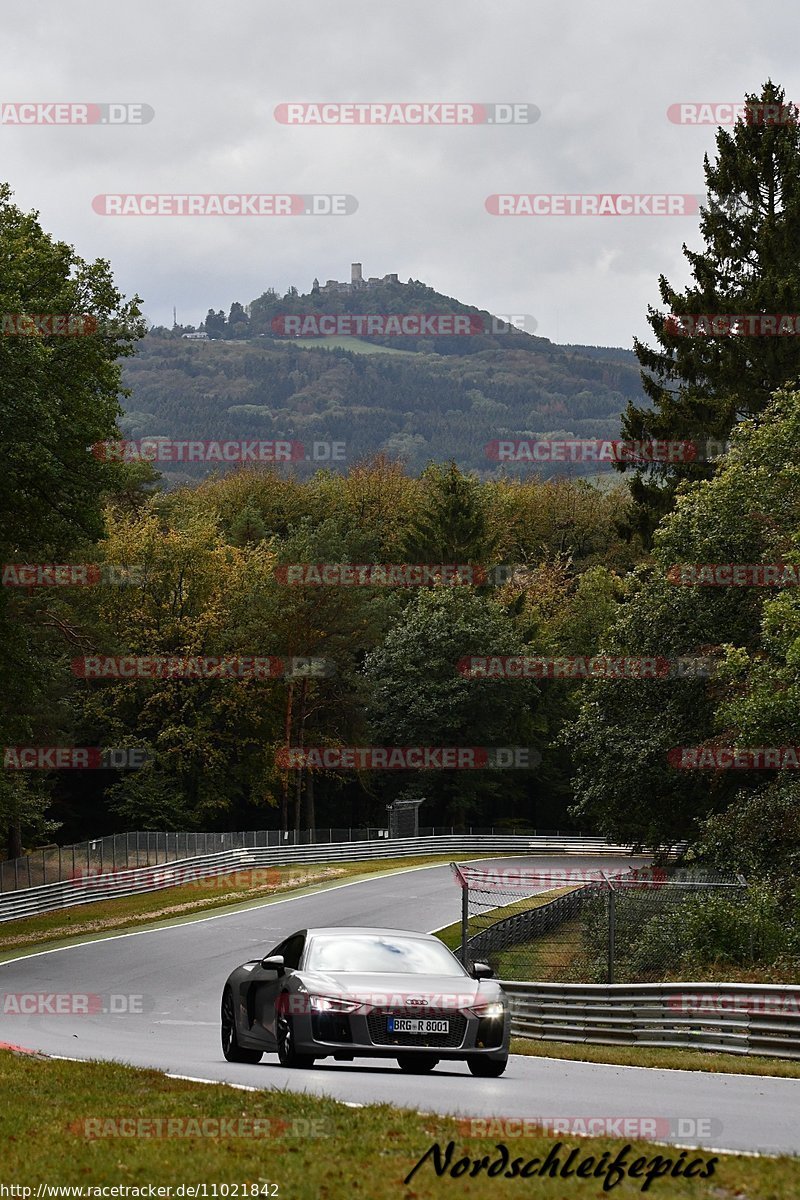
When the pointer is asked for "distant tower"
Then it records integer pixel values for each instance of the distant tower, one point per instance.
(174, 317)
(315, 285)
(355, 273)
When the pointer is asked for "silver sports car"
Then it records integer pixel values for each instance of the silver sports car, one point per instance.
(384, 993)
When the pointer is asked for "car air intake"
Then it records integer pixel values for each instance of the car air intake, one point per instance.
(331, 1027)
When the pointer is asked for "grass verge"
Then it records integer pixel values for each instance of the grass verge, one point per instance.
(549, 953)
(451, 934)
(363, 1152)
(343, 342)
(657, 1056)
(241, 888)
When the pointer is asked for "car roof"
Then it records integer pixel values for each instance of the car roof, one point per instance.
(367, 931)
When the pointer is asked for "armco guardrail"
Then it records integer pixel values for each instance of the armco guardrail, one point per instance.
(146, 848)
(734, 1018)
(30, 901)
(129, 882)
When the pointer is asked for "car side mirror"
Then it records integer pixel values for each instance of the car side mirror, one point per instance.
(481, 971)
(273, 962)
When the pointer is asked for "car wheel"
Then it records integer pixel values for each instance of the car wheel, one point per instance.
(417, 1064)
(230, 1043)
(487, 1068)
(287, 1053)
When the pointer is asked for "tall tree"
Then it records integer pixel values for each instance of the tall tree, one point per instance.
(59, 395)
(238, 321)
(626, 786)
(452, 525)
(215, 323)
(419, 698)
(702, 383)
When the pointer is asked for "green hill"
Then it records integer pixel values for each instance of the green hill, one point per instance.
(443, 397)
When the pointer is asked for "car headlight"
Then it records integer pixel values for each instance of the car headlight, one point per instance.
(333, 1004)
(495, 1009)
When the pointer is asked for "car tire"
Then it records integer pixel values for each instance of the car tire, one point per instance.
(417, 1064)
(487, 1068)
(230, 1043)
(287, 1054)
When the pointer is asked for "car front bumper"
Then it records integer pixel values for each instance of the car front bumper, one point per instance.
(367, 1035)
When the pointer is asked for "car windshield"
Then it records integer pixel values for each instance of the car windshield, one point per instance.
(381, 954)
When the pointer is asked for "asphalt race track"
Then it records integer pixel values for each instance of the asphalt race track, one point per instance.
(180, 970)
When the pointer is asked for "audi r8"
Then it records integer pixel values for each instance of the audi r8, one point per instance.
(346, 993)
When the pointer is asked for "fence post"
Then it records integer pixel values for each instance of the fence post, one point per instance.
(611, 929)
(465, 925)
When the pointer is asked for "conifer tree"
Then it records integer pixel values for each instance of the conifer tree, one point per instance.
(702, 382)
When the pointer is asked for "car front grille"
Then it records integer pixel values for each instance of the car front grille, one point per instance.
(377, 1022)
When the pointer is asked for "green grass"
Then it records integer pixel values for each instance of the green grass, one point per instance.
(451, 934)
(363, 1152)
(187, 900)
(657, 1056)
(344, 342)
(551, 958)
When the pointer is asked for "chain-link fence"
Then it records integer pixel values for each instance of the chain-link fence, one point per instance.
(573, 925)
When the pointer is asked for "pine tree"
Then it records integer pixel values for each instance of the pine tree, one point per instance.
(452, 526)
(248, 527)
(701, 385)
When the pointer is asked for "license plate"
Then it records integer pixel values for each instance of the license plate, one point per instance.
(412, 1025)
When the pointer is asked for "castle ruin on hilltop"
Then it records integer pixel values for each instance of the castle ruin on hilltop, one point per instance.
(357, 281)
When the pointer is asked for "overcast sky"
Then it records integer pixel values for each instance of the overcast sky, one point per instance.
(603, 76)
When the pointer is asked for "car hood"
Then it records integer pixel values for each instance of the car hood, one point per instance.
(442, 991)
